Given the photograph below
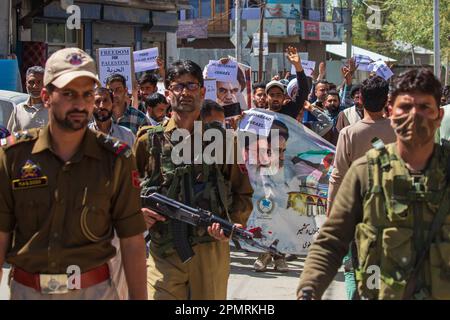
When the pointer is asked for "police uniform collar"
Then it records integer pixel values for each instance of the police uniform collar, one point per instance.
(89, 145)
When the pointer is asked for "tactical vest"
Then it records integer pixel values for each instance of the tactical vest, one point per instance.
(197, 185)
(397, 213)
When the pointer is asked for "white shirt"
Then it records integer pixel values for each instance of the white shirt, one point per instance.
(26, 116)
(118, 132)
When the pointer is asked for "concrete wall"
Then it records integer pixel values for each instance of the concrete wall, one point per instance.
(4, 28)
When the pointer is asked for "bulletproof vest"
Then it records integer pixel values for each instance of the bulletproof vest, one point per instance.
(197, 185)
(398, 210)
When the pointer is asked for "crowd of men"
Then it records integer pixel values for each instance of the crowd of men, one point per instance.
(75, 157)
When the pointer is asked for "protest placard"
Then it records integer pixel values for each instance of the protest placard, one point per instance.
(145, 60)
(308, 66)
(210, 85)
(363, 62)
(382, 70)
(226, 72)
(116, 60)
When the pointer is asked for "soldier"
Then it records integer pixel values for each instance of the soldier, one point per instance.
(395, 203)
(220, 188)
(64, 190)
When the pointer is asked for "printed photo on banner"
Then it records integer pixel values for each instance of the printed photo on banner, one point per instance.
(282, 9)
(233, 85)
(145, 60)
(116, 60)
(290, 181)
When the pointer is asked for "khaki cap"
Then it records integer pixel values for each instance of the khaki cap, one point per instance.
(65, 65)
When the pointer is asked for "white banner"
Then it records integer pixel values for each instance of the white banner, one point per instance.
(115, 60)
(226, 72)
(308, 66)
(145, 60)
(289, 207)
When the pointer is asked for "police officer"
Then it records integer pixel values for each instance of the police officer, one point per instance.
(394, 201)
(220, 188)
(64, 191)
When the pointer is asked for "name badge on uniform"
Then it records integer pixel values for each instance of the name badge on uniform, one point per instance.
(30, 177)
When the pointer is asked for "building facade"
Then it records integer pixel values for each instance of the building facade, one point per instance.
(307, 24)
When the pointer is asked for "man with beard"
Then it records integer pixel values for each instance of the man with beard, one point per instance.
(269, 171)
(332, 110)
(353, 114)
(30, 114)
(259, 96)
(276, 91)
(218, 187)
(394, 202)
(65, 190)
(103, 118)
(156, 105)
(123, 113)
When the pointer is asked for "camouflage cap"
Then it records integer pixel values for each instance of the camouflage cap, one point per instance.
(67, 64)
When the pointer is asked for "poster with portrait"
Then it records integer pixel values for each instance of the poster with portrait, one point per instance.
(283, 9)
(291, 185)
(233, 91)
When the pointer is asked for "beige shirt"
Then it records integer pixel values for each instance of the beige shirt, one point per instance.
(354, 141)
(26, 116)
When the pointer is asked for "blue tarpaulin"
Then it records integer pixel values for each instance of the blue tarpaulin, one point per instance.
(9, 71)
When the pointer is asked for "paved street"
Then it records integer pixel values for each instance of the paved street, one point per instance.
(246, 284)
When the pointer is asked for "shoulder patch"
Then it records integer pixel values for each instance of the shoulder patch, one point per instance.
(114, 145)
(18, 137)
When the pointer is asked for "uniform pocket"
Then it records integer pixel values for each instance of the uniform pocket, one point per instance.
(95, 218)
(32, 209)
(366, 243)
(440, 270)
(397, 262)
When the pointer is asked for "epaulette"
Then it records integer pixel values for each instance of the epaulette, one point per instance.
(19, 137)
(114, 145)
(149, 130)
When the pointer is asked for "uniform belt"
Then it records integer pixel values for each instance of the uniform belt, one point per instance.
(34, 280)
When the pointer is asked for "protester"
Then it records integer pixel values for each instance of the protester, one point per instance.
(156, 105)
(211, 111)
(30, 114)
(148, 84)
(259, 95)
(103, 118)
(123, 113)
(353, 114)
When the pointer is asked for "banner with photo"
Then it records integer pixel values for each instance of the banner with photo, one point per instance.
(289, 207)
(233, 85)
(283, 9)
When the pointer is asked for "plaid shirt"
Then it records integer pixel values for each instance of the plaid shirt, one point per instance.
(133, 119)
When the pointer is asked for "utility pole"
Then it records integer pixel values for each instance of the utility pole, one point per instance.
(261, 41)
(238, 31)
(437, 46)
(349, 29)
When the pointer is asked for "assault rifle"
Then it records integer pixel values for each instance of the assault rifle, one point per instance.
(180, 212)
